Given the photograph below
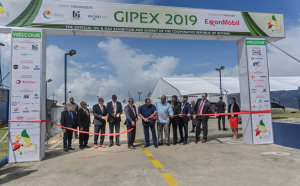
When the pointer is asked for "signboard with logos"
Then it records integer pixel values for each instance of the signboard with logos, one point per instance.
(259, 90)
(25, 96)
(75, 15)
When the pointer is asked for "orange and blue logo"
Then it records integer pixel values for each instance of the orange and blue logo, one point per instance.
(16, 47)
(47, 14)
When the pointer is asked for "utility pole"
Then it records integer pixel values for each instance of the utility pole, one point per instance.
(128, 95)
(53, 95)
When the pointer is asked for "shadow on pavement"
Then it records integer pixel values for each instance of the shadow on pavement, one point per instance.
(13, 173)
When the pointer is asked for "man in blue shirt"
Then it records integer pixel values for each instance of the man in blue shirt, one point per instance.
(165, 110)
(145, 111)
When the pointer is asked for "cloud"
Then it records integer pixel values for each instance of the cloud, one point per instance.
(201, 64)
(77, 65)
(105, 67)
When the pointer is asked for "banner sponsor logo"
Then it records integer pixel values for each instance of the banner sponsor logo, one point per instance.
(36, 96)
(25, 103)
(264, 90)
(23, 145)
(273, 25)
(35, 111)
(18, 81)
(25, 67)
(26, 76)
(15, 103)
(26, 90)
(267, 101)
(76, 15)
(16, 109)
(222, 22)
(26, 96)
(26, 62)
(20, 117)
(16, 96)
(253, 106)
(26, 110)
(48, 15)
(36, 68)
(257, 64)
(24, 34)
(28, 82)
(35, 48)
(256, 52)
(253, 90)
(94, 17)
(16, 67)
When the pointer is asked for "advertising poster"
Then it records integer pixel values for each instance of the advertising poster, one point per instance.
(259, 90)
(25, 96)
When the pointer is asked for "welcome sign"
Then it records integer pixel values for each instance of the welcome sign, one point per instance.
(76, 15)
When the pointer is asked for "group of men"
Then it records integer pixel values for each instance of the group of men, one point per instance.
(166, 114)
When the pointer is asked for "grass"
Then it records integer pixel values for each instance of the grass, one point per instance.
(4, 143)
(282, 116)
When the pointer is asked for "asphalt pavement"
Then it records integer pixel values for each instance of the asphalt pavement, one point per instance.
(220, 161)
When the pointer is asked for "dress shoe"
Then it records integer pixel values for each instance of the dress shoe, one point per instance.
(71, 148)
(66, 149)
(203, 141)
(110, 145)
(196, 140)
(81, 147)
(220, 129)
(168, 144)
(135, 145)
(160, 144)
(225, 129)
(156, 146)
(131, 147)
(147, 145)
(95, 146)
(192, 130)
(118, 144)
(87, 146)
(184, 143)
(180, 141)
(103, 146)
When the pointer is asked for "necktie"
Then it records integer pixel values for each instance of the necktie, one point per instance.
(102, 108)
(86, 112)
(132, 110)
(70, 112)
(200, 107)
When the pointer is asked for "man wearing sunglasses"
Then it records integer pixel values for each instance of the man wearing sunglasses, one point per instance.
(202, 107)
(114, 110)
(100, 117)
(131, 119)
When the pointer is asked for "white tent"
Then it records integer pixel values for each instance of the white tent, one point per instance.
(195, 86)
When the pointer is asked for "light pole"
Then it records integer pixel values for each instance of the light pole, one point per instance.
(48, 81)
(71, 53)
(1, 81)
(98, 98)
(219, 69)
(69, 93)
(139, 96)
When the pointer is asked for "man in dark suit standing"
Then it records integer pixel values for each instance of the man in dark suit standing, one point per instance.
(100, 117)
(202, 107)
(75, 109)
(192, 111)
(131, 119)
(220, 108)
(184, 120)
(68, 119)
(114, 110)
(83, 120)
(176, 120)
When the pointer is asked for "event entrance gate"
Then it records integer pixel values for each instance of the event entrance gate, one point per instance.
(29, 21)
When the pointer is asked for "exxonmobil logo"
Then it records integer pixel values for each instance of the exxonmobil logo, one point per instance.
(223, 22)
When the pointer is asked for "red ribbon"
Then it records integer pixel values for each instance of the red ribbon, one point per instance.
(40, 121)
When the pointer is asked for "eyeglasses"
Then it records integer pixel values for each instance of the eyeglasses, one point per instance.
(130, 101)
(101, 101)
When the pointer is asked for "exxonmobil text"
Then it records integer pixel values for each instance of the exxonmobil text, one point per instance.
(223, 22)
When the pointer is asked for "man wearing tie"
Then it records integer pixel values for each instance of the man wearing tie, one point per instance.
(100, 117)
(114, 110)
(176, 106)
(68, 119)
(202, 107)
(83, 120)
(131, 119)
(184, 120)
(192, 111)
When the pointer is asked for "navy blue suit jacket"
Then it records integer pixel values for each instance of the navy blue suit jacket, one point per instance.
(67, 120)
(130, 116)
(186, 110)
(110, 111)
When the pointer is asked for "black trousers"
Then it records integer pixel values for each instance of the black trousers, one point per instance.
(131, 135)
(68, 138)
(116, 125)
(175, 122)
(223, 121)
(200, 120)
(97, 129)
(183, 125)
(84, 138)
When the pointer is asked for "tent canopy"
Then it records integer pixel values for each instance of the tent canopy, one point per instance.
(211, 85)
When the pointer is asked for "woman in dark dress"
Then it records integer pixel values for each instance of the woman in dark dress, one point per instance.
(233, 119)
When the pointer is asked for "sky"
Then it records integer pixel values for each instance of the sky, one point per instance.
(106, 66)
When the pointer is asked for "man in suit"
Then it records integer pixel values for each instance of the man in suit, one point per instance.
(184, 120)
(220, 108)
(83, 120)
(202, 107)
(193, 121)
(100, 117)
(68, 119)
(131, 119)
(175, 120)
(75, 109)
(114, 110)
